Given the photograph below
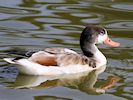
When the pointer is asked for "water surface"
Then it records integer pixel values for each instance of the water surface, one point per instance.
(36, 24)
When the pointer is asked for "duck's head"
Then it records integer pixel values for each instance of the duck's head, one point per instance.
(96, 35)
(92, 35)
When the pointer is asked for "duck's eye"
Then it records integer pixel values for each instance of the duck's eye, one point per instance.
(102, 32)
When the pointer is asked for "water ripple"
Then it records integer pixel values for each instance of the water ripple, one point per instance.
(36, 24)
(93, 19)
(53, 20)
(17, 24)
(116, 7)
(17, 11)
(120, 24)
(126, 7)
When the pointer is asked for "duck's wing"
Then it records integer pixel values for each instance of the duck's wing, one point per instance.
(44, 58)
(60, 59)
(56, 57)
(50, 56)
(75, 59)
(59, 50)
(47, 55)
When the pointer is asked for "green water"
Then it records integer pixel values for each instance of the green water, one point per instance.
(36, 24)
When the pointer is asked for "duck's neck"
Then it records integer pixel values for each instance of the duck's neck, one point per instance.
(92, 51)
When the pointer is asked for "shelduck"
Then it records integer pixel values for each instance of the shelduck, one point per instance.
(55, 61)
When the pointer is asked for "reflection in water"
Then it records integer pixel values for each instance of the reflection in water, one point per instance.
(83, 81)
(50, 98)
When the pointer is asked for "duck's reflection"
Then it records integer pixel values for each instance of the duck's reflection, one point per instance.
(83, 81)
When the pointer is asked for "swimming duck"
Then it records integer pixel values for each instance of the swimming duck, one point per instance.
(54, 61)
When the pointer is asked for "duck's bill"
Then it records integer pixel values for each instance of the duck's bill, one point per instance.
(111, 43)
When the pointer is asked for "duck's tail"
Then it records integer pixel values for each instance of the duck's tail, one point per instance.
(10, 60)
(20, 55)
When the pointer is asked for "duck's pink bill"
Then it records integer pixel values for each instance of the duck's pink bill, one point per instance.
(111, 43)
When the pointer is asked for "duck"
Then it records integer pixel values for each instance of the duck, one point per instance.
(57, 61)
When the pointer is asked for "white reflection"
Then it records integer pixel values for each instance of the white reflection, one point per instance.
(83, 81)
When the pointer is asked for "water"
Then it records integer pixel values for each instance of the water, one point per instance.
(36, 24)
